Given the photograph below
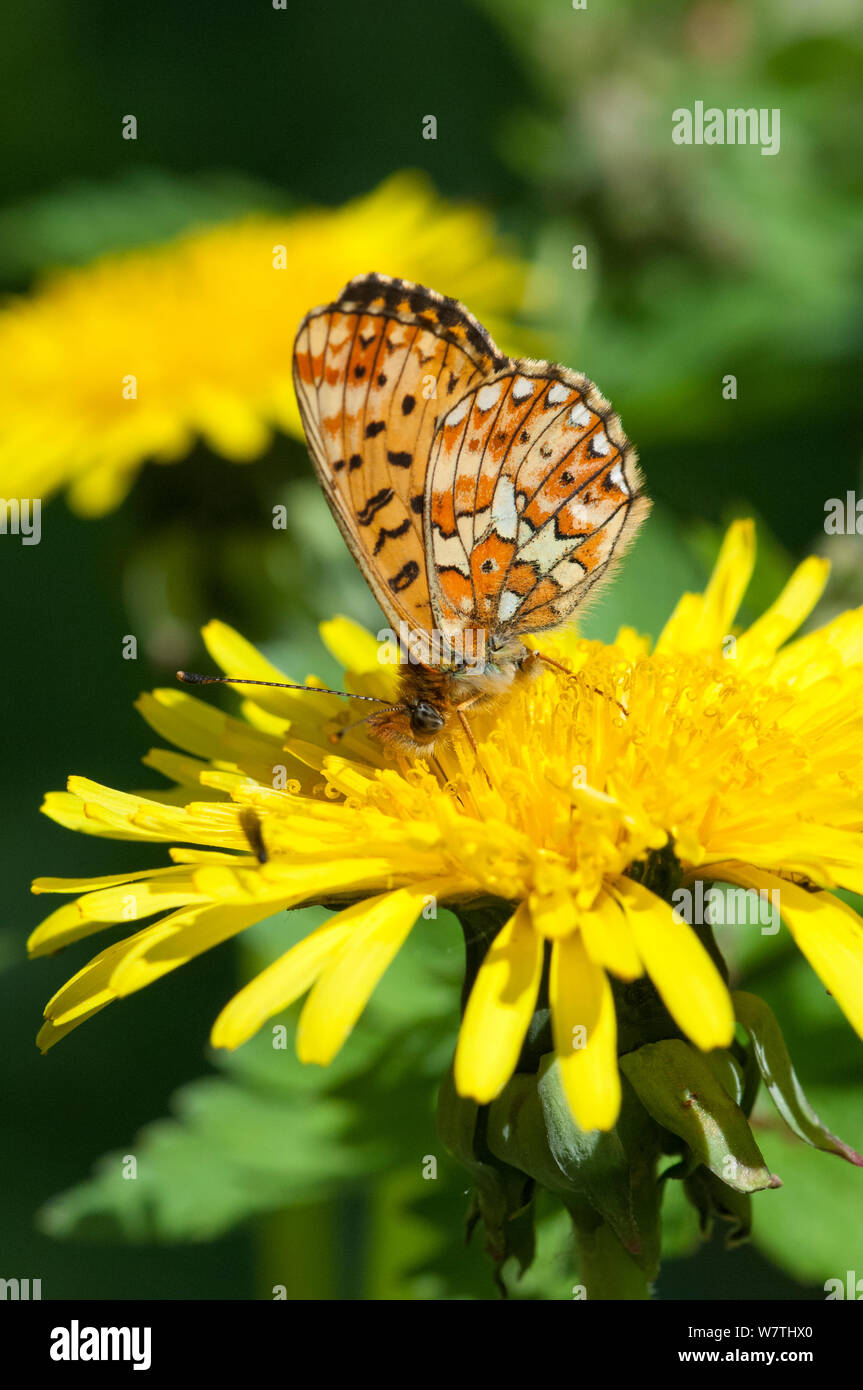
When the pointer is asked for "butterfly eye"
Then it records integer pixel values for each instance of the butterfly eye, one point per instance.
(425, 719)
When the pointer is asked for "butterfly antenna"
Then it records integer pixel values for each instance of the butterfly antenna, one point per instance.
(190, 678)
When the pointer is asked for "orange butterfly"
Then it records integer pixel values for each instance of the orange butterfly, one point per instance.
(482, 497)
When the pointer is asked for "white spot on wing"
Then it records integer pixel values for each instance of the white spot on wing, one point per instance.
(503, 514)
(579, 415)
(557, 393)
(600, 443)
(522, 388)
(486, 396)
(457, 413)
(569, 572)
(508, 604)
(545, 549)
(616, 476)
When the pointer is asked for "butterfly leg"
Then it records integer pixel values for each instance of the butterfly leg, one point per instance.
(468, 732)
(558, 666)
(439, 769)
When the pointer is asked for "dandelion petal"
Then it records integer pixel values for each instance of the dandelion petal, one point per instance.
(827, 930)
(585, 1033)
(280, 984)
(691, 987)
(499, 1010)
(378, 928)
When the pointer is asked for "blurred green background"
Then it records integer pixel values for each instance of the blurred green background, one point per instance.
(700, 262)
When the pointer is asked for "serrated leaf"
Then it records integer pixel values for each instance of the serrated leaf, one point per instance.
(229, 1154)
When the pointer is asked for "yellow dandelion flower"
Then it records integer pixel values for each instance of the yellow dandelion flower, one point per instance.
(141, 353)
(733, 760)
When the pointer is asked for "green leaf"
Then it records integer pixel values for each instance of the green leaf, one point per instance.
(678, 1088)
(270, 1133)
(781, 1081)
(594, 1162)
(600, 1176)
(502, 1193)
(229, 1153)
(713, 1198)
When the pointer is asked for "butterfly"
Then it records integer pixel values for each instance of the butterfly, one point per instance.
(483, 497)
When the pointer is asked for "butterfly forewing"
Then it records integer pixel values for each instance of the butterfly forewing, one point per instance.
(373, 372)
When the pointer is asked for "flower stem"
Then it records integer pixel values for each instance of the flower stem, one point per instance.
(606, 1270)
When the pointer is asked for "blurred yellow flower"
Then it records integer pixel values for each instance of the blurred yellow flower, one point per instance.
(746, 766)
(139, 354)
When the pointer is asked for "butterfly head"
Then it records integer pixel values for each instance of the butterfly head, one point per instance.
(412, 727)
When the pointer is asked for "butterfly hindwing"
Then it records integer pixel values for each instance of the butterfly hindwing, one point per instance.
(532, 491)
(373, 371)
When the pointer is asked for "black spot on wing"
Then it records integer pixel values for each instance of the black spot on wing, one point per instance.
(373, 505)
(390, 534)
(405, 577)
(375, 427)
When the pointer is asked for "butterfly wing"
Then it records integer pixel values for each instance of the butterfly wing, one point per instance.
(533, 492)
(373, 371)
